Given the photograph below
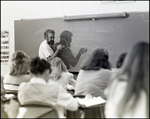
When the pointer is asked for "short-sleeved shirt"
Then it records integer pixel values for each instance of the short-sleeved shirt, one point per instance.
(45, 50)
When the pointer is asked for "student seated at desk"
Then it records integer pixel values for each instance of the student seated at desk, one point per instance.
(128, 95)
(39, 91)
(19, 66)
(94, 74)
(12, 108)
(117, 70)
(61, 74)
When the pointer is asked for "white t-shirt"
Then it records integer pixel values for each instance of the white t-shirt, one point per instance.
(45, 50)
(37, 91)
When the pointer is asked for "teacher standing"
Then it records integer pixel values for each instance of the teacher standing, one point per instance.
(47, 49)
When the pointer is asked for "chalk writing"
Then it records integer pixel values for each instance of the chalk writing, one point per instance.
(77, 34)
(96, 29)
(77, 29)
(86, 39)
(109, 46)
(104, 29)
(75, 47)
(39, 31)
(145, 17)
(88, 34)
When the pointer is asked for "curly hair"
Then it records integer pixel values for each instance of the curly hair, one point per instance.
(48, 31)
(19, 63)
(98, 59)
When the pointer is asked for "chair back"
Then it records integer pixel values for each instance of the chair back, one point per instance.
(40, 111)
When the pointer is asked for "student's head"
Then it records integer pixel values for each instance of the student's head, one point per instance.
(40, 68)
(97, 60)
(19, 63)
(58, 67)
(137, 61)
(49, 35)
(136, 69)
(66, 35)
(120, 60)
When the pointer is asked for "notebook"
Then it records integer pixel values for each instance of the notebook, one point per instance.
(84, 102)
(7, 97)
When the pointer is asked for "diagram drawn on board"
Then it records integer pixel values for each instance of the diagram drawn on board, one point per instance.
(76, 48)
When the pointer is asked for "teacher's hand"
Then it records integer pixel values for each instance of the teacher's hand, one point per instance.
(59, 47)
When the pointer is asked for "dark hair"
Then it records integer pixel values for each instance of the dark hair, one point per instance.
(48, 31)
(66, 35)
(121, 60)
(38, 66)
(98, 59)
(136, 69)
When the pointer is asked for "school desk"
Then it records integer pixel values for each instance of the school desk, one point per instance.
(36, 111)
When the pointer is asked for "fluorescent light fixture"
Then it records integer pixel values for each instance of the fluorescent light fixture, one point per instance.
(96, 16)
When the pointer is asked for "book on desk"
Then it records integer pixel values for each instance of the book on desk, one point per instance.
(84, 102)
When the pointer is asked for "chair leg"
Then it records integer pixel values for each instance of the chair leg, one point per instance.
(82, 112)
(102, 112)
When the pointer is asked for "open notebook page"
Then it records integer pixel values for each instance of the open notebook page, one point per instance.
(90, 102)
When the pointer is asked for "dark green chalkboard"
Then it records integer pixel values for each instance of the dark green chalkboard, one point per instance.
(115, 35)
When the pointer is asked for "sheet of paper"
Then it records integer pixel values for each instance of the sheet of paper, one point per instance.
(22, 111)
(70, 87)
(91, 102)
(8, 96)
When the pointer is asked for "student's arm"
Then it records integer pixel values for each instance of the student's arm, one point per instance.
(72, 82)
(59, 47)
(72, 60)
(70, 79)
(66, 100)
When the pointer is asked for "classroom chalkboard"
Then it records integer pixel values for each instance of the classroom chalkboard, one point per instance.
(114, 35)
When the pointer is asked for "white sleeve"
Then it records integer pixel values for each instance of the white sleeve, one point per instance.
(66, 100)
(45, 51)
